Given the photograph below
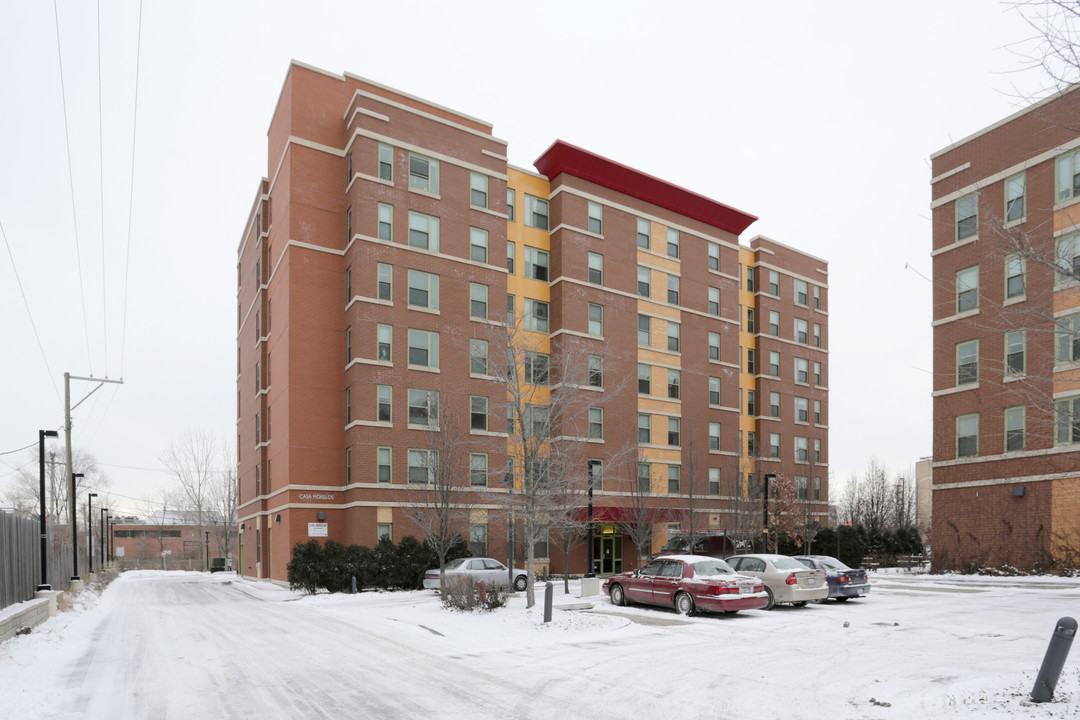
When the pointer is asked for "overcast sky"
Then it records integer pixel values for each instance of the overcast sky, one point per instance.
(819, 118)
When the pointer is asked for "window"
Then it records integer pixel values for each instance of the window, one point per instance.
(802, 334)
(714, 481)
(478, 469)
(817, 335)
(510, 314)
(644, 477)
(802, 451)
(774, 323)
(1014, 428)
(1015, 267)
(424, 231)
(817, 374)
(423, 290)
(1068, 258)
(751, 403)
(673, 289)
(817, 412)
(478, 301)
(774, 283)
(1067, 413)
(751, 320)
(967, 217)
(1067, 339)
(967, 435)
(536, 212)
(1014, 352)
(673, 428)
(751, 361)
(1014, 198)
(348, 405)
(384, 395)
(673, 242)
(714, 436)
(423, 348)
(817, 297)
(348, 237)
(423, 174)
(714, 256)
(348, 167)
(643, 330)
(596, 319)
(802, 410)
(801, 295)
(673, 383)
(478, 540)
(537, 420)
(510, 430)
(967, 289)
(596, 474)
(802, 371)
(714, 391)
(422, 465)
(478, 357)
(536, 264)
(801, 487)
(386, 222)
(386, 282)
(673, 479)
(644, 233)
(596, 423)
(385, 530)
(644, 428)
(596, 269)
(817, 488)
(1068, 176)
(386, 162)
(348, 289)
(967, 362)
(774, 364)
(383, 463)
(714, 346)
(714, 301)
(644, 379)
(511, 204)
(817, 452)
(536, 315)
(774, 404)
(348, 353)
(673, 336)
(423, 407)
(478, 245)
(478, 189)
(644, 276)
(384, 340)
(596, 218)
(774, 445)
(749, 278)
(478, 413)
(511, 253)
(537, 368)
(751, 444)
(596, 371)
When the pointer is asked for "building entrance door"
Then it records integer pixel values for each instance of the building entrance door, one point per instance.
(607, 554)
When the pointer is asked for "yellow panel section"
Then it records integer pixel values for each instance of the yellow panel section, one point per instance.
(654, 308)
(747, 341)
(665, 457)
(1064, 508)
(668, 265)
(646, 355)
(1067, 218)
(659, 405)
(384, 514)
(1067, 299)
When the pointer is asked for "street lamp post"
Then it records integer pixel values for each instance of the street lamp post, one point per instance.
(589, 541)
(207, 550)
(42, 434)
(102, 536)
(74, 530)
(90, 532)
(765, 512)
(108, 525)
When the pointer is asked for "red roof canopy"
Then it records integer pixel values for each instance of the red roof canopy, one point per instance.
(603, 514)
(563, 157)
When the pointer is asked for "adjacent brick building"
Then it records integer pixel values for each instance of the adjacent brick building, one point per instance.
(1006, 481)
(391, 234)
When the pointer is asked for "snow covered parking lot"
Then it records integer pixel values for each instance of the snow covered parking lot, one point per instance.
(193, 645)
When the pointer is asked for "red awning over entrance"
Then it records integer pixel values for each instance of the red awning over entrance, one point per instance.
(605, 514)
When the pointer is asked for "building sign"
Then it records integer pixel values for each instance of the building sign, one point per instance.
(317, 529)
(316, 497)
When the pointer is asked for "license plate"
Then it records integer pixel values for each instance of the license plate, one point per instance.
(812, 581)
(745, 590)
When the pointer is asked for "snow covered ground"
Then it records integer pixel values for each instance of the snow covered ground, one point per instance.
(193, 645)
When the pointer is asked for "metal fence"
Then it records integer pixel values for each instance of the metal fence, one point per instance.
(20, 560)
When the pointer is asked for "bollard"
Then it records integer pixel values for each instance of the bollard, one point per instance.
(481, 590)
(354, 584)
(548, 590)
(1056, 652)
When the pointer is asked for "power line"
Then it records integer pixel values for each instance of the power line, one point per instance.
(131, 195)
(71, 184)
(101, 185)
(30, 314)
(12, 452)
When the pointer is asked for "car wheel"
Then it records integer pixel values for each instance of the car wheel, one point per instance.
(841, 599)
(684, 604)
(772, 601)
(520, 583)
(800, 604)
(730, 612)
(617, 596)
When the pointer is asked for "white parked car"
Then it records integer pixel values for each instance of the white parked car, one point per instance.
(786, 579)
(487, 570)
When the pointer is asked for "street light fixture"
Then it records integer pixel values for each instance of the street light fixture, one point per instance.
(108, 550)
(90, 532)
(102, 536)
(74, 530)
(42, 434)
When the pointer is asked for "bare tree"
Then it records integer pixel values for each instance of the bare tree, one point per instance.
(192, 459)
(783, 512)
(26, 486)
(640, 513)
(158, 509)
(224, 500)
(743, 482)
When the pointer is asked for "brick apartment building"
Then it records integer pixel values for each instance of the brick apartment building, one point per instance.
(392, 235)
(1006, 482)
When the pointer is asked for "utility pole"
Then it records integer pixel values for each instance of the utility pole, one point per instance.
(68, 377)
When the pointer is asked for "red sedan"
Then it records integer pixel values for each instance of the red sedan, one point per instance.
(688, 583)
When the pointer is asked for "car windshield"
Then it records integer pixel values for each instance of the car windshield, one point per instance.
(455, 564)
(833, 564)
(708, 568)
(676, 545)
(787, 563)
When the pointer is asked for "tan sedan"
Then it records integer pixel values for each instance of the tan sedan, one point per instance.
(786, 579)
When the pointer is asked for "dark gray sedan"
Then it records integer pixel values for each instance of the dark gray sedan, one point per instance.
(844, 582)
